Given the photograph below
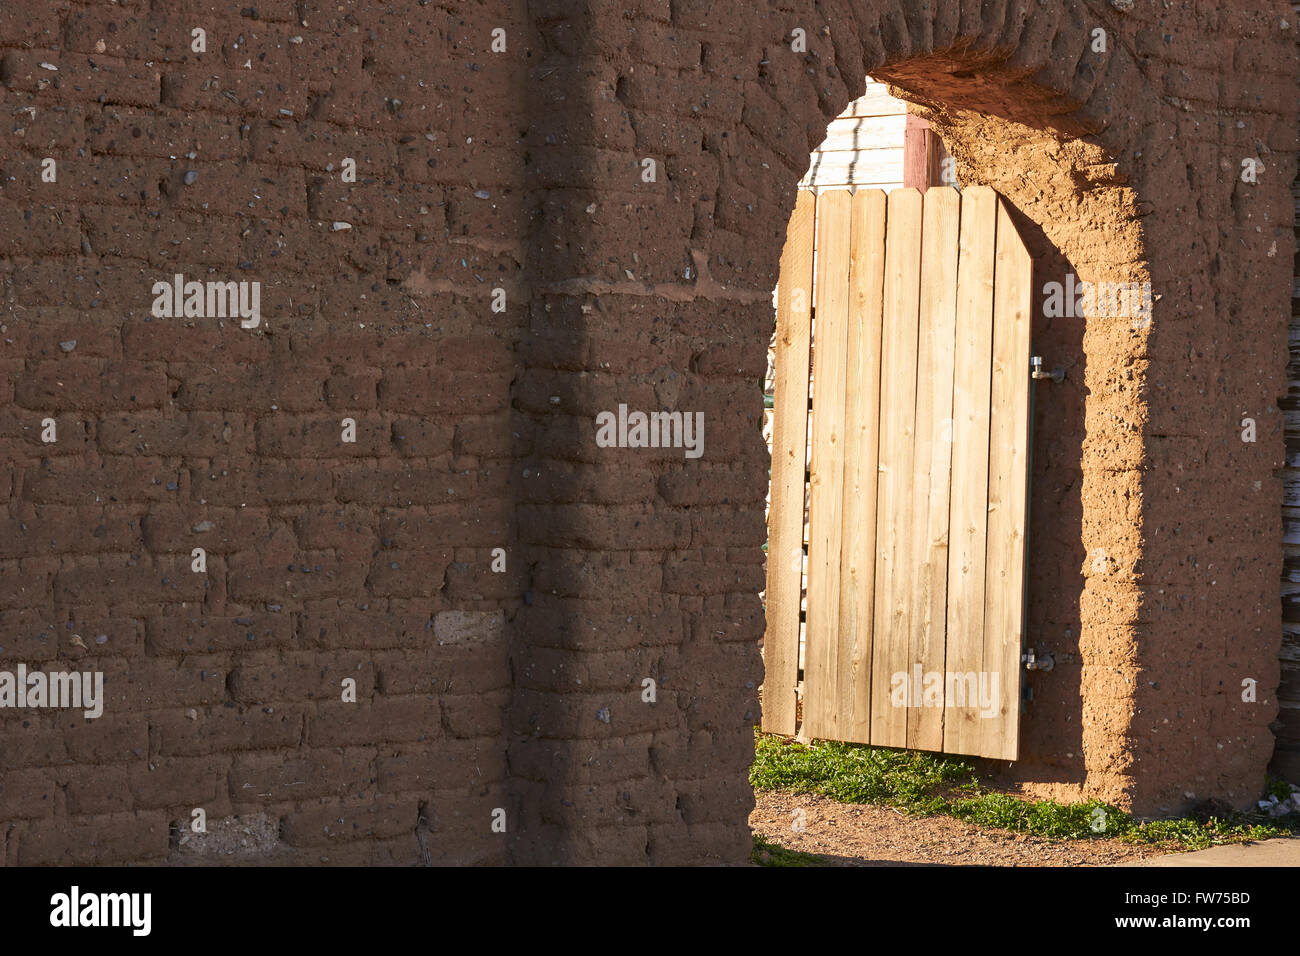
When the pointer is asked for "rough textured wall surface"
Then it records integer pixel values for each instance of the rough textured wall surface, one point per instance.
(517, 697)
(1286, 755)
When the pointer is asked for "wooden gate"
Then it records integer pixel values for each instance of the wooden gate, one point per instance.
(916, 445)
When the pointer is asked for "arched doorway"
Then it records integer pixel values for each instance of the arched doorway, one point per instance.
(1100, 584)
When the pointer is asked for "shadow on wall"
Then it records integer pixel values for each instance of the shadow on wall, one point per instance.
(1052, 727)
(638, 562)
(544, 442)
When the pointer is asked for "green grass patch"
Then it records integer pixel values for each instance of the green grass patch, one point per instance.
(766, 853)
(922, 783)
(854, 774)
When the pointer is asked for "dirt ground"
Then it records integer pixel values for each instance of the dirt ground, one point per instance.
(859, 835)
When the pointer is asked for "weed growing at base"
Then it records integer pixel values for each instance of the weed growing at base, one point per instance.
(923, 783)
(766, 853)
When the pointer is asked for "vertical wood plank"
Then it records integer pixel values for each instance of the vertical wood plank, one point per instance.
(932, 471)
(861, 438)
(999, 735)
(830, 347)
(968, 513)
(916, 153)
(897, 425)
(789, 447)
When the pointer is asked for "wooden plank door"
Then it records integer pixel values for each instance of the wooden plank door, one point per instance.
(918, 479)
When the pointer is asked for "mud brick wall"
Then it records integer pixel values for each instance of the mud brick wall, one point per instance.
(1286, 755)
(524, 690)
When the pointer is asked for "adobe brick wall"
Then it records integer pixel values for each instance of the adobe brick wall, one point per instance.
(521, 170)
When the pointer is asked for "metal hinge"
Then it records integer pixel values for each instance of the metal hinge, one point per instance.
(1033, 663)
(1036, 370)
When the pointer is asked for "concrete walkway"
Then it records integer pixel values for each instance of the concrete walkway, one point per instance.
(1280, 852)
